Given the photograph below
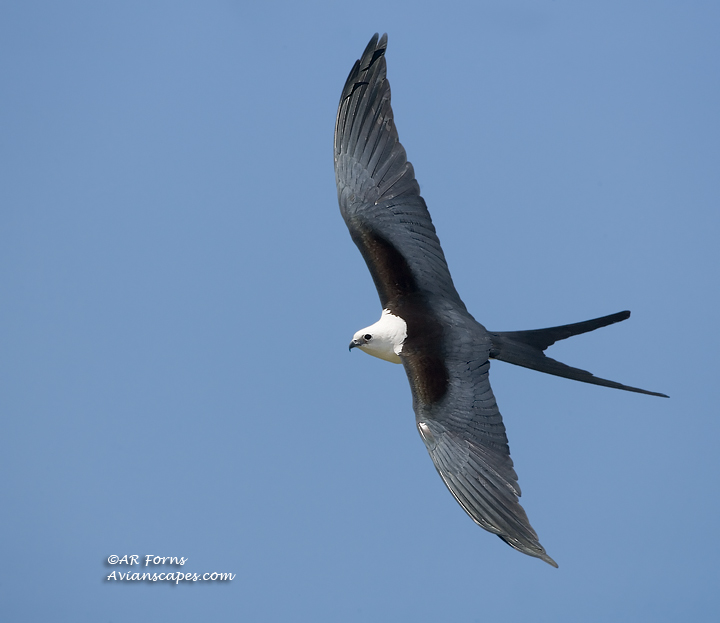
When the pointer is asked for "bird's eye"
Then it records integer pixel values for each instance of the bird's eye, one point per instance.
(367, 337)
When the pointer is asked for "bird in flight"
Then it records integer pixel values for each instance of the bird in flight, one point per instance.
(424, 324)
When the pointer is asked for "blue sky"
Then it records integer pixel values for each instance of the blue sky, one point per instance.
(179, 289)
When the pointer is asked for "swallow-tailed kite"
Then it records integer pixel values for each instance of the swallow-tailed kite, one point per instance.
(424, 324)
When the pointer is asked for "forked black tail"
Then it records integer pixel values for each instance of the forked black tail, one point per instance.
(525, 348)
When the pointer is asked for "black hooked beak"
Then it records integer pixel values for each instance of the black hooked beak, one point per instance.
(354, 344)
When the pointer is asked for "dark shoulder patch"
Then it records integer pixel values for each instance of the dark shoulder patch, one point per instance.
(389, 269)
(423, 353)
(428, 376)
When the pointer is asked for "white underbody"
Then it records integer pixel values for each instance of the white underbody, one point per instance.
(387, 337)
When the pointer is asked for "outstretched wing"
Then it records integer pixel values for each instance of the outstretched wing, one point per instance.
(377, 191)
(465, 436)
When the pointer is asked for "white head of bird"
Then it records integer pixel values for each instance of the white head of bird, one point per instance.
(384, 339)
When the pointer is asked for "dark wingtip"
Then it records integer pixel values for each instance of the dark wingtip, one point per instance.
(549, 561)
(375, 47)
(533, 549)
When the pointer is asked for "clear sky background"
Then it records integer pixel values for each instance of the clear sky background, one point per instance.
(178, 290)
